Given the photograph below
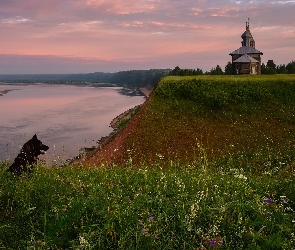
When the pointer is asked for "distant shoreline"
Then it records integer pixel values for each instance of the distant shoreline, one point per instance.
(3, 92)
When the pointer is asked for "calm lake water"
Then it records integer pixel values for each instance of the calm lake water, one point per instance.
(66, 118)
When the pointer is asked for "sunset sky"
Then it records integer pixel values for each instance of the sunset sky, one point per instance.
(82, 36)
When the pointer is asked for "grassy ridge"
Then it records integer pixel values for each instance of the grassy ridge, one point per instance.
(209, 164)
(229, 92)
(216, 114)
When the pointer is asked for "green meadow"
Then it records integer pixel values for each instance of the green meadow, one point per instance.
(207, 162)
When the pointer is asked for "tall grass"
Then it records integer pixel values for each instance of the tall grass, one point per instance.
(216, 205)
(227, 92)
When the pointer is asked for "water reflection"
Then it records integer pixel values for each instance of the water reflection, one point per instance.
(66, 118)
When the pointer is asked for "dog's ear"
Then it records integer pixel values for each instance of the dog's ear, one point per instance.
(34, 137)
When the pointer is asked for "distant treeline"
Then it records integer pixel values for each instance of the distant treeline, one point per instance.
(97, 77)
(270, 68)
(129, 79)
(139, 78)
(194, 72)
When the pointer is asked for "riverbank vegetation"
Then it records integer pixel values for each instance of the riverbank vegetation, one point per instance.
(208, 162)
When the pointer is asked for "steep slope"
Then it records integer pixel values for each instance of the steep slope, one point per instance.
(188, 119)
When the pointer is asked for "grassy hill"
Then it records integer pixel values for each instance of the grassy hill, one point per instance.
(208, 117)
(208, 164)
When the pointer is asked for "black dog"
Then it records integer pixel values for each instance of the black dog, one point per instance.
(28, 156)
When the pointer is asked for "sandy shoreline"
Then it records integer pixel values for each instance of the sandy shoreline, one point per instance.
(114, 124)
(127, 115)
(147, 90)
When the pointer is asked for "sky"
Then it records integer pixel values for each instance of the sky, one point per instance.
(84, 36)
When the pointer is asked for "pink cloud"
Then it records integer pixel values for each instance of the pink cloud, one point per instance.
(144, 33)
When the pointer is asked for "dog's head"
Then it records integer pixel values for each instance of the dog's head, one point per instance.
(36, 146)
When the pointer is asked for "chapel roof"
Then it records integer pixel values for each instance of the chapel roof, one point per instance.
(246, 50)
(245, 58)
